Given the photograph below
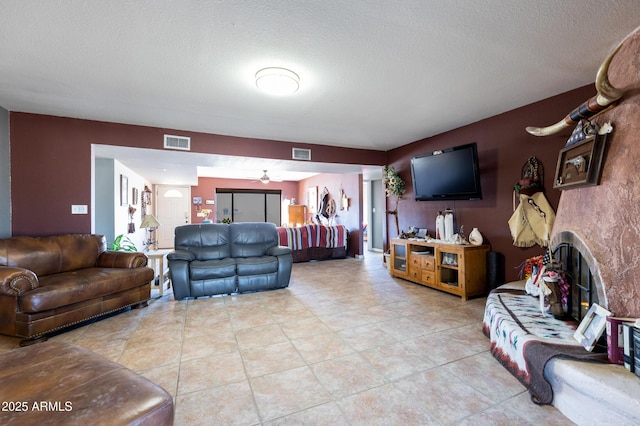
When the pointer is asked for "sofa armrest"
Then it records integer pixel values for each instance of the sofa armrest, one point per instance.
(16, 281)
(278, 251)
(181, 255)
(121, 259)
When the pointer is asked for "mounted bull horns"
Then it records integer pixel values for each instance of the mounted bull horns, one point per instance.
(607, 95)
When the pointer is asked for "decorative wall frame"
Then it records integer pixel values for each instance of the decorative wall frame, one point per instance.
(312, 199)
(580, 164)
(134, 196)
(124, 190)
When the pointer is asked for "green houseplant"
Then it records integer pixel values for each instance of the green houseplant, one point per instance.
(394, 187)
(123, 243)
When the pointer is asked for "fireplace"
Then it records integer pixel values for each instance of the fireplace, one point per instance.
(582, 273)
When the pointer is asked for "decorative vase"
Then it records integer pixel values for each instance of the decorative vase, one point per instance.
(475, 237)
(555, 297)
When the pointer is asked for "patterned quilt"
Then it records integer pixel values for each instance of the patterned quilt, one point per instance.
(306, 236)
(512, 320)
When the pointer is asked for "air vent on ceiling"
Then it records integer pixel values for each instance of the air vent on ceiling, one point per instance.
(177, 142)
(301, 154)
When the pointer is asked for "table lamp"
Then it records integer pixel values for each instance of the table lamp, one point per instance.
(150, 223)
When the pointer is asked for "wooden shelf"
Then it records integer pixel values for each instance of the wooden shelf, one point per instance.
(455, 269)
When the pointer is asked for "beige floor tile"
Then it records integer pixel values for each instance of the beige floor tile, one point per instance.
(535, 414)
(165, 376)
(209, 372)
(445, 397)
(270, 359)
(384, 405)
(322, 347)
(287, 392)
(200, 346)
(304, 327)
(397, 360)
(347, 375)
(145, 357)
(260, 336)
(494, 417)
(322, 415)
(366, 336)
(230, 404)
(487, 376)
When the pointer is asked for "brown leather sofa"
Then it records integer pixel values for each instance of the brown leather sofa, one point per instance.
(49, 283)
(57, 383)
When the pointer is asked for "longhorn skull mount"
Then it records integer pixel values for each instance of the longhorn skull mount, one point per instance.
(606, 97)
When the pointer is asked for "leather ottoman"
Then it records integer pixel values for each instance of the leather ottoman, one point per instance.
(64, 384)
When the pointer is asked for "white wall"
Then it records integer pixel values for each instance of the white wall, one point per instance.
(121, 212)
(112, 218)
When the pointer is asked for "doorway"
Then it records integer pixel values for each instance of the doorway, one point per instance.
(375, 212)
(173, 209)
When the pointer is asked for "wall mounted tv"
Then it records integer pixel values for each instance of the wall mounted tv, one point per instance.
(448, 174)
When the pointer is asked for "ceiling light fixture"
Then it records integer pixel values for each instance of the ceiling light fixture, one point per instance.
(277, 81)
(265, 178)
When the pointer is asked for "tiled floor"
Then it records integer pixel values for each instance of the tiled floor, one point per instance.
(345, 344)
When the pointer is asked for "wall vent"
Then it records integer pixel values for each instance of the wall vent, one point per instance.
(301, 154)
(177, 142)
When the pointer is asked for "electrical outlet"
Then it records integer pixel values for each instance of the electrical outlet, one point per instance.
(79, 209)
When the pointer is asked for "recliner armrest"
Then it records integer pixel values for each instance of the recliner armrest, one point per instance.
(278, 251)
(181, 255)
(121, 259)
(16, 281)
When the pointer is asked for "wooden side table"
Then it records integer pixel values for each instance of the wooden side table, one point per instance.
(157, 262)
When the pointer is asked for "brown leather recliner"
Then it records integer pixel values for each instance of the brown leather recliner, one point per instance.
(49, 283)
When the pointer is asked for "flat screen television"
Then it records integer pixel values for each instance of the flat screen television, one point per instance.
(448, 174)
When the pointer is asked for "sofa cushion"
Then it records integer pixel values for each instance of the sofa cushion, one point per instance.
(209, 241)
(251, 239)
(51, 255)
(256, 265)
(212, 269)
(84, 284)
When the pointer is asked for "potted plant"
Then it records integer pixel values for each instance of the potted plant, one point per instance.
(123, 243)
(394, 187)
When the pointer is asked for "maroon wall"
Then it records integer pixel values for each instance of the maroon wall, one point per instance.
(207, 190)
(503, 147)
(51, 163)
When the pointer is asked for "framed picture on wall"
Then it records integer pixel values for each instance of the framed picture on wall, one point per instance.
(580, 164)
(312, 199)
(124, 190)
(134, 196)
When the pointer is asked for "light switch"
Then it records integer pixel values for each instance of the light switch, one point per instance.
(79, 209)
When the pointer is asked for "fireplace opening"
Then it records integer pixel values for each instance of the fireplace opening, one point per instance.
(582, 286)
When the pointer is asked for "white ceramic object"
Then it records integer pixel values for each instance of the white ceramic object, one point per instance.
(475, 237)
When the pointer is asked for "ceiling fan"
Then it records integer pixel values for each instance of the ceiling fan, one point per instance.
(266, 179)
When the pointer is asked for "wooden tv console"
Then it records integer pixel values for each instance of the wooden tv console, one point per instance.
(456, 269)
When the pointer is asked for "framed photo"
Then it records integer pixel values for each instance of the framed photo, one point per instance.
(312, 199)
(124, 190)
(592, 326)
(580, 164)
(134, 196)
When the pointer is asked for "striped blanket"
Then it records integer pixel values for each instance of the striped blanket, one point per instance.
(307, 236)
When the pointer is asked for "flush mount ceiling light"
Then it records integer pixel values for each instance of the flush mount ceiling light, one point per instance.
(277, 81)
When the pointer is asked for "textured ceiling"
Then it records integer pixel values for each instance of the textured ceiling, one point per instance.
(373, 74)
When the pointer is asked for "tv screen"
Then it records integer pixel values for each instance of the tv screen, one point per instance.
(449, 174)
